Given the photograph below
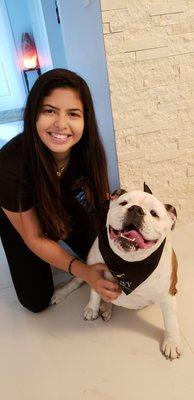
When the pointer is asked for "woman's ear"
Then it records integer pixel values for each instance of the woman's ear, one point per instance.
(172, 213)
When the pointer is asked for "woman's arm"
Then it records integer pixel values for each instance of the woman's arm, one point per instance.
(27, 225)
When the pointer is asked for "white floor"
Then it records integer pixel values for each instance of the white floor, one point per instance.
(56, 355)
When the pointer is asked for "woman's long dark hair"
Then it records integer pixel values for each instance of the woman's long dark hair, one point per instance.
(88, 153)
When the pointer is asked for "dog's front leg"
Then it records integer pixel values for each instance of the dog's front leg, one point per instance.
(91, 311)
(171, 347)
(61, 293)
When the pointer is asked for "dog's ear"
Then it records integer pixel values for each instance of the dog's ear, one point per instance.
(117, 193)
(172, 213)
(146, 188)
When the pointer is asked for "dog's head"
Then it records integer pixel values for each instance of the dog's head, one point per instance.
(137, 223)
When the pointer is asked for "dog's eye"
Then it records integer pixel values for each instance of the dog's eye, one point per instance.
(153, 213)
(123, 203)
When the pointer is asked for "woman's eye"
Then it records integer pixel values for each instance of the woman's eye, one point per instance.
(74, 114)
(153, 213)
(48, 111)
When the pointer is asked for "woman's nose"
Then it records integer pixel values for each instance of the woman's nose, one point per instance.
(61, 122)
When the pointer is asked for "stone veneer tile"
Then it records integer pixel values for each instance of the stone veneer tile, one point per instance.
(165, 7)
(113, 4)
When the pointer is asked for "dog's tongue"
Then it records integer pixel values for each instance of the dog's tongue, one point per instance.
(138, 238)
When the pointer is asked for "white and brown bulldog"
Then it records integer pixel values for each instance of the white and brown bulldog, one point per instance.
(135, 244)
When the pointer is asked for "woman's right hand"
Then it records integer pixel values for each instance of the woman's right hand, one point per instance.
(108, 290)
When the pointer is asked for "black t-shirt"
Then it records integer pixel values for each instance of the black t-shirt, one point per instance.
(16, 178)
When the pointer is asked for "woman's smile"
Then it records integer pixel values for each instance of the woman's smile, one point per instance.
(60, 122)
(59, 138)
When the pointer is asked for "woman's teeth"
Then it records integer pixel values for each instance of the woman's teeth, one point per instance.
(58, 136)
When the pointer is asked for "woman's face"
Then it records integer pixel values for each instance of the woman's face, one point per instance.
(60, 121)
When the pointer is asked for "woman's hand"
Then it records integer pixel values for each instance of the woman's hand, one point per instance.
(106, 289)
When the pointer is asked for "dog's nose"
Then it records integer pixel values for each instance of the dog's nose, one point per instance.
(136, 210)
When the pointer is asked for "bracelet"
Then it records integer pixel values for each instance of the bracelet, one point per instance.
(69, 267)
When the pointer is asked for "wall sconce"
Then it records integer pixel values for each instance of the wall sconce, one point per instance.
(30, 57)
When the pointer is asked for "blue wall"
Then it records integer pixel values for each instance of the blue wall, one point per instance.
(19, 19)
(85, 54)
(54, 34)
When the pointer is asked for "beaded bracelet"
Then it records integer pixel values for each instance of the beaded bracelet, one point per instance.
(69, 267)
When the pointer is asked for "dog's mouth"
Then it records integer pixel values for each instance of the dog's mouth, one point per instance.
(130, 238)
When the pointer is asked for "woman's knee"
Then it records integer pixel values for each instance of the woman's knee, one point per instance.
(36, 301)
(35, 307)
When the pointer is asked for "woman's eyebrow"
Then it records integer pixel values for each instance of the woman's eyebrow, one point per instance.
(74, 109)
(49, 105)
(56, 108)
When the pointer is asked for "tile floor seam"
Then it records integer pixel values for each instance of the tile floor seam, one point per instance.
(5, 287)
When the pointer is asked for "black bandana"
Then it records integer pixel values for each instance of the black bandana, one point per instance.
(129, 275)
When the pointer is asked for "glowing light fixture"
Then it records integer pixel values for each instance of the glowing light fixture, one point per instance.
(29, 56)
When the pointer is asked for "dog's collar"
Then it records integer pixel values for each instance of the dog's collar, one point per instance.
(129, 275)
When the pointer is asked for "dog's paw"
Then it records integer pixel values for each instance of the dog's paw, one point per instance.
(106, 311)
(59, 296)
(56, 299)
(171, 350)
(61, 293)
(90, 314)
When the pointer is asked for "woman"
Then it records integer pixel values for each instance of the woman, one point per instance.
(53, 184)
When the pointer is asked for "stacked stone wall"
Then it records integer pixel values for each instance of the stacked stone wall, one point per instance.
(149, 48)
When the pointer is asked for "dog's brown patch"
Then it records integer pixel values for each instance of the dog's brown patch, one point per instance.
(117, 193)
(174, 278)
